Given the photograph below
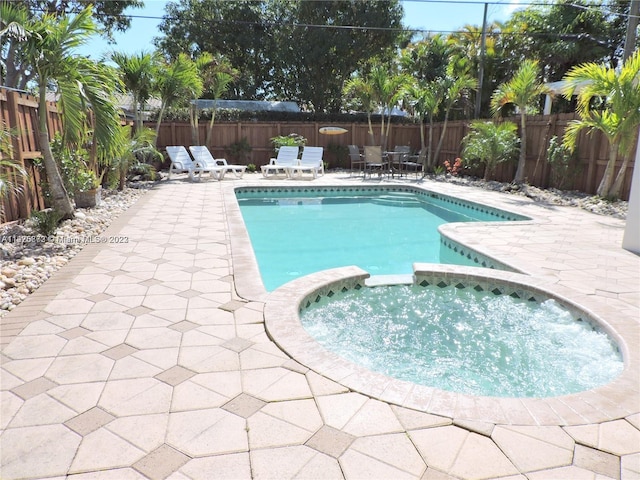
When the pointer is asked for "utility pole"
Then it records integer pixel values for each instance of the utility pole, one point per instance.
(483, 41)
(632, 28)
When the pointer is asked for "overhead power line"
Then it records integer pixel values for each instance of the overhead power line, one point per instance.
(391, 29)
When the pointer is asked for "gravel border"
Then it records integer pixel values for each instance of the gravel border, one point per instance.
(28, 259)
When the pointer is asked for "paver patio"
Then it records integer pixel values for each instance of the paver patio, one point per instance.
(140, 360)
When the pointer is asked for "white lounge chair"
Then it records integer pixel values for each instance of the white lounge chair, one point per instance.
(181, 162)
(311, 161)
(202, 153)
(287, 157)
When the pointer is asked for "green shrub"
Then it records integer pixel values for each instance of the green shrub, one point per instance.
(490, 143)
(76, 175)
(564, 166)
(291, 140)
(239, 151)
(45, 222)
(251, 167)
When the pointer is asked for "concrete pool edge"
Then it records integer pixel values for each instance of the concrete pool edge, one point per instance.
(249, 284)
(614, 400)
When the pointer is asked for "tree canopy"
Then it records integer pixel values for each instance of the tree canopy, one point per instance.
(285, 49)
(15, 71)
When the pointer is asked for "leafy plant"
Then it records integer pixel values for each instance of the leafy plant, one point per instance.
(490, 143)
(252, 167)
(564, 167)
(240, 150)
(85, 180)
(10, 172)
(291, 140)
(134, 154)
(523, 90)
(340, 153)
(45, 222)
(143, 170)
(438, 170)
(76, 175)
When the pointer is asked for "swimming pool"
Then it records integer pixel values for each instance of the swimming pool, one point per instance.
(298, 231)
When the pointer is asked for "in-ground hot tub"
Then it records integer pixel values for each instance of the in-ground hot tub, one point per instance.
(508, 365)
(465, 335)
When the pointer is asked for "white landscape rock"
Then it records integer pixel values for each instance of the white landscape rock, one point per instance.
(27, 260)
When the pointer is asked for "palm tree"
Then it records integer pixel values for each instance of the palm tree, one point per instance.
(425, 100)
(618, 119)
(388, 89)
(219, 75)
(13, 31)
(136, 73)
(78, 82)
(361, 91)
(451, 88)
(490, 143)
(130, 148)
(523, 91)
(177, 81)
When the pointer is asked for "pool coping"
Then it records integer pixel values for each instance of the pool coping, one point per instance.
(614, 400)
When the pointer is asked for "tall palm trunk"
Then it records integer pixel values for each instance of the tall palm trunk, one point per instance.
(194, 117)
(519, 178)
(430, 147)
(59, 195)
(210, 129)
(383, 140)
(619, 182)
(160, 115)
(607, 179)
(441, 141)
(372, 138)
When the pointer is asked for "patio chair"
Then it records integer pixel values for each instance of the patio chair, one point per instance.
(405, 161)
(373, 160)
(287, 157)
(311, 161)
(416, 162)
(202, 153)
(181, 162)
(357, 159)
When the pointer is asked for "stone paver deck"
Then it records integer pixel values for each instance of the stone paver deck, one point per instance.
(150, 359)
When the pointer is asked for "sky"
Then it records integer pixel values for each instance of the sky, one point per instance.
(434, 16)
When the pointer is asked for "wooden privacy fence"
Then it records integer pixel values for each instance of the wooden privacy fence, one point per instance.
(584, 174)
(18, 113)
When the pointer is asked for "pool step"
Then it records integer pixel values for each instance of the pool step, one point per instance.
(398, 199)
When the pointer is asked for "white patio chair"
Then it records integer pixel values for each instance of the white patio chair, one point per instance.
(311, 161)
(287, 157)
(201, 153)
(181, 162)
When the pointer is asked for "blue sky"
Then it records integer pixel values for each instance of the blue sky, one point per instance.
(419, 14)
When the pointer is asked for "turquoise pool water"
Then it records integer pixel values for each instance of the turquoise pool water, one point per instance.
(295, 232)
(464, 340)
